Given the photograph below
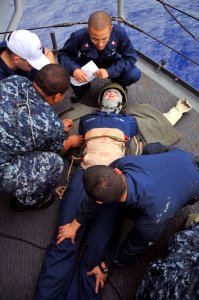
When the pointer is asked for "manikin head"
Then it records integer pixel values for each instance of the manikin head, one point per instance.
(112, 98)
(112, 101)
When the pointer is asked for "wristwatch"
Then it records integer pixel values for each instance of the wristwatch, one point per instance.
(105, 271)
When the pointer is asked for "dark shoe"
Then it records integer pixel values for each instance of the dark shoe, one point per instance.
(76, 97)
(78, 94)
(16, 205)
(197, 161)
(125, 89)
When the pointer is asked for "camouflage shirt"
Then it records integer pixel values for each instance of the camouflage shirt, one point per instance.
(176, 276)
(27, 122)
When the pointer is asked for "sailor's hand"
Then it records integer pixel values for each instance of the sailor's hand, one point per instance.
(48, 53)
(72, 141)
(68, 231)
(68, 124)
(101, 73)
(100, 278)
(75, 140)
(80, 75)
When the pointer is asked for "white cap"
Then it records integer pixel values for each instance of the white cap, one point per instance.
(28, 46)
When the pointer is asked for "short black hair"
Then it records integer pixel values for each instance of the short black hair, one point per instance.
(103, 184)
(99, 20)
(53, 79)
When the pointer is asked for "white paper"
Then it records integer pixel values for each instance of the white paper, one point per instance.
(89, 68)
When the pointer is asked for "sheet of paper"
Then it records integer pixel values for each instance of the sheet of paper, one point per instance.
(89, 68)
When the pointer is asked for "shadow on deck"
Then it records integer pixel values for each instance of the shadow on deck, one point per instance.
(24, 236)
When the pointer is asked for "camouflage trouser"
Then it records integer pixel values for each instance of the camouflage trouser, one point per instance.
(31, 176)
(176, 276)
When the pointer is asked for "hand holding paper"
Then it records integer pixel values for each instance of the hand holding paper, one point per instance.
(89, 69)
(101, 73)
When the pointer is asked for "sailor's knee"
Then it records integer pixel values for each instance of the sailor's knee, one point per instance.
(54, 162)
(134, 75)
(127, 78)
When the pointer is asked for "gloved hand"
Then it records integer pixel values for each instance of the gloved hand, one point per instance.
(192, 218)
(175, 113)
(184, 105)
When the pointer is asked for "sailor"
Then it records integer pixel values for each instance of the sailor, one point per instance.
(151, 187)
(165, 276)
(32, 137)
(108, 46)
(23, 54)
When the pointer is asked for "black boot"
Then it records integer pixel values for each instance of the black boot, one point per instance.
(79, 92)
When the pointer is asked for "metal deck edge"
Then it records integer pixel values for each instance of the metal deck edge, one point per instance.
(168, 80)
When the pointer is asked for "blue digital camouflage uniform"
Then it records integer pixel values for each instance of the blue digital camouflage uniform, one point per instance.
(176, 276)
(30, 136)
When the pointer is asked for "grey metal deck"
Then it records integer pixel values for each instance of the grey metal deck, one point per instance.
(25, 235)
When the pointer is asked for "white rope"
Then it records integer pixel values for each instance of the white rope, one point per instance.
(60, 191)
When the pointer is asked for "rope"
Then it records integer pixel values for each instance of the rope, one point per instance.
(61, 189)
(162, 2)
(139, 29)
(66, 24)
(113, 137)
(122, 20)
(191, 16)
(137, 145)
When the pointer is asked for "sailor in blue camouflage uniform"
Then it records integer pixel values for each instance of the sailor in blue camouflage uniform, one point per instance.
(108, 46)
(31, 135)
(176, 276)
